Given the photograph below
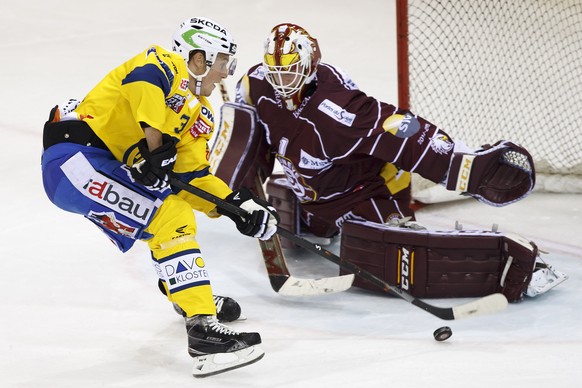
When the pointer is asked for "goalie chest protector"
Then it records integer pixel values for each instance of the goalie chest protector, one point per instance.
(440, 264)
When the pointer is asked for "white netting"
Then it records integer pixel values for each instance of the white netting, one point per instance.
(486, 70)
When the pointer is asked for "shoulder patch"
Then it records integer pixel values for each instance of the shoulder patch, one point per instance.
(441, 144)
(401, 126)
(258, 73)
(176, 102)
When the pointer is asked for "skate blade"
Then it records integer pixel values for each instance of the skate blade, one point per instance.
(552, 279)
(213, 364)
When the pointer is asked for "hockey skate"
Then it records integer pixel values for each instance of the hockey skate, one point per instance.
(405, 222)
(544, 278)
(227, 309)
(217, 348)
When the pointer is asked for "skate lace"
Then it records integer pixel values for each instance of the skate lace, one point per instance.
(218, 301)
(219, 327)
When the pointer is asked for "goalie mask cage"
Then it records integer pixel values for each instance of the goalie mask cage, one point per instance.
(486, 70)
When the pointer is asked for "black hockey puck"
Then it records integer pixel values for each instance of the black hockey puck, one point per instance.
(442, 333)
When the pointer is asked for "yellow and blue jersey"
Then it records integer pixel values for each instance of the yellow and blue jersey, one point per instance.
(152, 88)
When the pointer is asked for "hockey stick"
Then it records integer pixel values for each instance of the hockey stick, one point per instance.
(281, 280)
(486, 305)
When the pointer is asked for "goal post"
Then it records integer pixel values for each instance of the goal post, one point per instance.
(487, 70)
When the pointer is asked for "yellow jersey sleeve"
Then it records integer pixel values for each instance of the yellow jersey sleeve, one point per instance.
(152, 88)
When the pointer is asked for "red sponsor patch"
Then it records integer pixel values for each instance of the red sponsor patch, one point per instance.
(184, 84)
(199, 128)
(107, 220)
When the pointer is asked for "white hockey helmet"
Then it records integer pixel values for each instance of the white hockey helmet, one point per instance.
(290, 61)
(203, 34)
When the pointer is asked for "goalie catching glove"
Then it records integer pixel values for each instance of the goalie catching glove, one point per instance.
(261, 220)
(152, 171)
(497, 175)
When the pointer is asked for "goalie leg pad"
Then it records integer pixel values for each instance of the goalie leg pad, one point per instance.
(440, 264)
(240, 151)
(520, 257)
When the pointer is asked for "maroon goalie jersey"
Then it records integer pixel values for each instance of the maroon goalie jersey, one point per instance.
(339, 140)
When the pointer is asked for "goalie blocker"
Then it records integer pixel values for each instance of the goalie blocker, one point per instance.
(441, 264)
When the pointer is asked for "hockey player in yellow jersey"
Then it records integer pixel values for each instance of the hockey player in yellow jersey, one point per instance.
(111, 157)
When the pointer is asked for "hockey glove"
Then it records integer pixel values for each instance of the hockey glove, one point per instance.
(497, 175)
(262, 219)
(152, 171)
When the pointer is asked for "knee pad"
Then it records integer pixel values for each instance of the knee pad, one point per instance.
(173, 228)
(440, 264)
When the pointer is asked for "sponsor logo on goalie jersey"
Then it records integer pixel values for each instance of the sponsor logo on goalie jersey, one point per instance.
(312, 163)
(336, 112)
(422, 136)
(401, 126)
(258, 73)
(441, 144)
(303, 191)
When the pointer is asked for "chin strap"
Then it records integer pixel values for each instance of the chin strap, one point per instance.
(198, 79)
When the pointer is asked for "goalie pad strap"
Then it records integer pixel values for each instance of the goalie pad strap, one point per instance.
(440, 264)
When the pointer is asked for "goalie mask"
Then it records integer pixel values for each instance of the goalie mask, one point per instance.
(290, 61)
(203, 34)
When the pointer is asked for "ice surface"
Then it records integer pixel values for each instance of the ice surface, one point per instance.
(78, 313)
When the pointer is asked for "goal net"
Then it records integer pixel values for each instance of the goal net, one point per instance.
(486, 70)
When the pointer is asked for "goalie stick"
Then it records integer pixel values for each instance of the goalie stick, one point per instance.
(486, 305)
(280, 278)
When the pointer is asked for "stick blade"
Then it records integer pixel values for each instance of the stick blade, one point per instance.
(487, 305)
(309, 287)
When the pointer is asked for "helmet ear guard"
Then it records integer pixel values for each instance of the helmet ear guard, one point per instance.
(290, 61)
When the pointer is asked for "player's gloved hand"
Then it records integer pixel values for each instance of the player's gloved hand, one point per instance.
(262, 220)
(152, 171)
